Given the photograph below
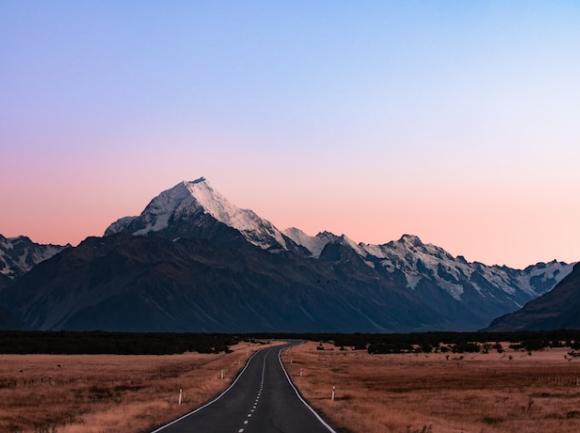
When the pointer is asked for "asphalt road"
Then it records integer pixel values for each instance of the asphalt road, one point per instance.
(262, 400)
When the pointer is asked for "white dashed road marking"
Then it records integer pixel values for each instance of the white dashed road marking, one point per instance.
(258, 396)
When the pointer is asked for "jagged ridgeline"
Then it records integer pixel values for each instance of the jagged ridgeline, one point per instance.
(194, 262)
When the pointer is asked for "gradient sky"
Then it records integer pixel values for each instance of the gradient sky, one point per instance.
(455, 121)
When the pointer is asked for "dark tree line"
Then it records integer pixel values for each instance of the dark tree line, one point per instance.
(454, 342)
(472, 342)
(124, 343)
(116, 343)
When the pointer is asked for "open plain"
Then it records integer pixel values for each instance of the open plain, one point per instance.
(109, 393)
(440, 393)
(396, 393)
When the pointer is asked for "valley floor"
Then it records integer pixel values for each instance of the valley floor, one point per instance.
(408, 393)
(109, 393)
(440, 393)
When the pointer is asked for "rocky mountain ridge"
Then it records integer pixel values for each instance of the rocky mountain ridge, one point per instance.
(556, 309)
(192, 261)
(19, 254)
(418, 261)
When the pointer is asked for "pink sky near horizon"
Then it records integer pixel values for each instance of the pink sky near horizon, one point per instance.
(453, 122)
(516, 226)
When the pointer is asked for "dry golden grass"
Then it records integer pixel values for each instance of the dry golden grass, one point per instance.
(476, 393)
(108, 393)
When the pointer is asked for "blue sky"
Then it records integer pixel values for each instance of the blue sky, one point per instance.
(455, 121)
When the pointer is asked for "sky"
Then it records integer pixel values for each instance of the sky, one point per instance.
(454, 121)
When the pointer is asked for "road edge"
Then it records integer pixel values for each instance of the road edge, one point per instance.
(320, 419)
(208, 403)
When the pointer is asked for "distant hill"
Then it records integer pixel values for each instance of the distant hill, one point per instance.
(557, 309)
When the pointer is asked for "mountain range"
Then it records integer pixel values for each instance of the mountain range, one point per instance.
(192, 261)
(556, 309)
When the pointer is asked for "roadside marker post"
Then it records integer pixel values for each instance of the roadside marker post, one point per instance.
(333, 388)
(180, 394)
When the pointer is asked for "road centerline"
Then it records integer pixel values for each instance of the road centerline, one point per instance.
(282, 409)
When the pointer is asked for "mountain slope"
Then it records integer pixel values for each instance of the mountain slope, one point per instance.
(467, 293)
(557, 309)
(18, 255)
(132, 283)
(192, 261)
(192, 209)
(9, 321)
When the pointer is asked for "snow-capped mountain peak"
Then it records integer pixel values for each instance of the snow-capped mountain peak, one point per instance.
(315, 244)
(188, 199)
(411, 240)
(192, 225)
(192, 209)
(429, 264)
(162, 207)
(19, 254)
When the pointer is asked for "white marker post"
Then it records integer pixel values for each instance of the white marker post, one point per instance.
(180, 394)
(332, 398)
(222, 375)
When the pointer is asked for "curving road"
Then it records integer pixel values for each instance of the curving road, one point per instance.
(261, 400)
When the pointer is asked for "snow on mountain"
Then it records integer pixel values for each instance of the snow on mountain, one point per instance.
(401, 285)
(186, 200)
(315, 244)
(557, 309)
(119, 225)
(419, 261)
(19, 254)
(408, 260)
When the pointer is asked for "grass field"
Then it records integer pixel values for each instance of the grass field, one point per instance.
(408, 393)
(108, 393)
(440, 393)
